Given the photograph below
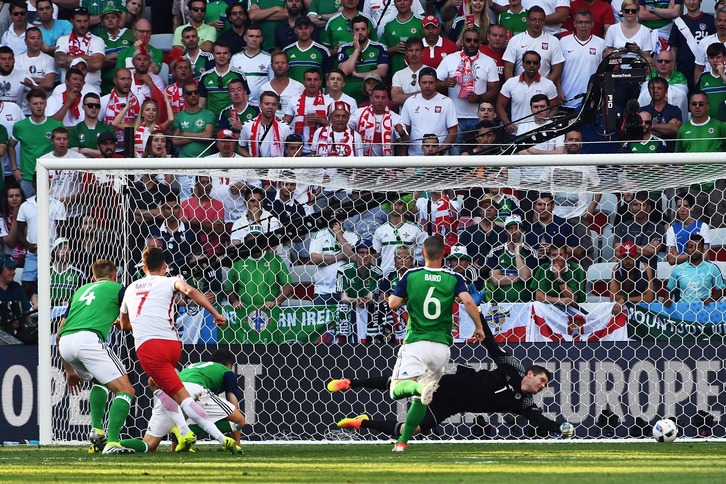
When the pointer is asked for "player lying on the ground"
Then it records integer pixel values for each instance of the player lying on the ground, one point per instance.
(508, 388)
(86, 356)
(204, 381)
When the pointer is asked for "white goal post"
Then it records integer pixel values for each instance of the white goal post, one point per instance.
(652, 172)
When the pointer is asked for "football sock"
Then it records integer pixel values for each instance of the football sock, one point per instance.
(415, 415)
(384, 426)
(201, 418)
(406, 388)
(377, 382)
(97, 400)
(117, 414)
(172, 409)
(224, 426)
(137, 444)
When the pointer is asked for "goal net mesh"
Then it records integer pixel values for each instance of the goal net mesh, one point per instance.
(627, 341)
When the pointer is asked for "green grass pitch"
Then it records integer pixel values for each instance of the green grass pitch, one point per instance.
(642, 462)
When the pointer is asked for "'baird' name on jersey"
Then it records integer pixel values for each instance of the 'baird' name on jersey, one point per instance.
(432, 277)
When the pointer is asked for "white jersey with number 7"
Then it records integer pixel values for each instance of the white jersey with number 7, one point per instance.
(149, 302)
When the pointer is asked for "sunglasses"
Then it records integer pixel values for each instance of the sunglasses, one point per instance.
(698, 103)
(630, 10)
(192, 93)
(198, 9)
(474, 40)
(664, 61)
(93, 105)
(531, 62)
(413, 79)
(19, 14)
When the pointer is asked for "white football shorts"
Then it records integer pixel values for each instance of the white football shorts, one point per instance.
(217, 408)
(91, 357)
(421, 360)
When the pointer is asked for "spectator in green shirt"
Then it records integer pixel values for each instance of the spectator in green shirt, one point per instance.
(560, 281)
(511, 265)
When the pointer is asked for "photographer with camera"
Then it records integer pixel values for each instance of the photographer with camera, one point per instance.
(649, 143)
(14, 305)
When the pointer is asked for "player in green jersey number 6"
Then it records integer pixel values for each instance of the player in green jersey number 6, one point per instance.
(429, 293)
(86, 356)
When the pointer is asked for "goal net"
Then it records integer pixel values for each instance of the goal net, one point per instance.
(571, 258)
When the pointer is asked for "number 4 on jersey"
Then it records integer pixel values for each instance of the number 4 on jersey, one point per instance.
(88, 295)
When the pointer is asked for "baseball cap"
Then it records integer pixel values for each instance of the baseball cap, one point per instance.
(110, 8)
(338, 106)
(628, 249)
(374, 76)
(7, 261)
(58, 242)
(459, 252)
(105, 136)
(431, 20)
(303, 20)
(512, 219)
(226, 134)
(78, 60)
(426, 71)
(488, 197)
(364, 244)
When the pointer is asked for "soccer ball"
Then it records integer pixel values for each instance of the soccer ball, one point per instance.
(665, 430)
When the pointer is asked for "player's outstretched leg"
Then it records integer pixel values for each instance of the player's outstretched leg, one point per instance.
(352, 423)
(376, 382)
(338, 385)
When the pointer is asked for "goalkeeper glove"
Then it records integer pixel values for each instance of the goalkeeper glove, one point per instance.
(477, 296)
(567, 430)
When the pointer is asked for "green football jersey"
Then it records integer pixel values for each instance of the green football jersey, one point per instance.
(430, 293)
(114, 46)
(249, 113)
(700, 138)
(214, 87)
(94, 307)
(268, 26)
(187, 122)
(323, 7)
(81, 136)
(257, 281)
(396, 31)
(208, 374)
(514, 23)
(355, 285)
(316, 56)
(715, 90)
(661, 22)
(62, 285)
(34, 142)
(339, 31)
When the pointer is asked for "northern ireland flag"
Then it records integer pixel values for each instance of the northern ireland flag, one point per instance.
(507, 321)
(559, 323)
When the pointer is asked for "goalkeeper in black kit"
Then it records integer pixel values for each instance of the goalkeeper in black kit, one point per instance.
(507, 389)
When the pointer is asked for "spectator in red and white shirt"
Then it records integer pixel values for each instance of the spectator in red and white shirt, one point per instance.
(435, 46)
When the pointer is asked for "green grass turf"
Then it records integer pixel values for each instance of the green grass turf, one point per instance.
(584, 463)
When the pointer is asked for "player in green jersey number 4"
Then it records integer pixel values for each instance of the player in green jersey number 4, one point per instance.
(429, 293)
(86, 356)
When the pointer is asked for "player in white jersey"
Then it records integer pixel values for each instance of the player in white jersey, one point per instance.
(148, 310)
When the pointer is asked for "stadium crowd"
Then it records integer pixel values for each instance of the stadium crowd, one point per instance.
(349, 78)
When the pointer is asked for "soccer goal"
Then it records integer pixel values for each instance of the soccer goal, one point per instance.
(618, 365)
